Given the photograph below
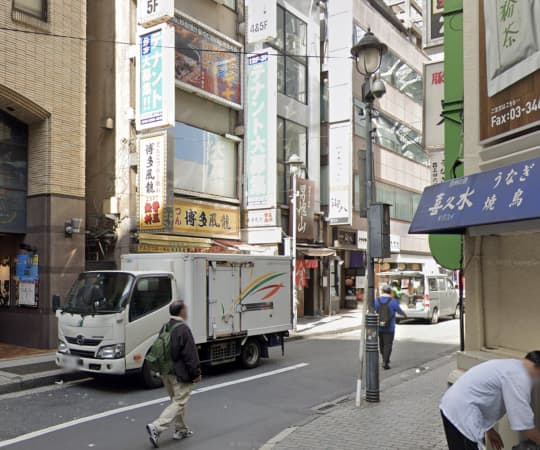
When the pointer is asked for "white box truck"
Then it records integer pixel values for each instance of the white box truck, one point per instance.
(238, 305)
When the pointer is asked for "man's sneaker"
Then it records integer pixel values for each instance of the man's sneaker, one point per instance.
(153, 434)
(179, 435)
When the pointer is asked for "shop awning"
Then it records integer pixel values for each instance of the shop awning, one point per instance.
(316, 252)
(159, 243)
(507, 194)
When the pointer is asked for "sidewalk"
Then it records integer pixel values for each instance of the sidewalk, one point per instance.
(407, 418)
(345, 321)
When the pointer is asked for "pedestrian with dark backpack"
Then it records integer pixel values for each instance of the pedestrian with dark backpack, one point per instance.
(175, 358)
(387, 307)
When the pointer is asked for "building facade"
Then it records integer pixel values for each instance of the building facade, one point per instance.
(400, 160)
(42, 175)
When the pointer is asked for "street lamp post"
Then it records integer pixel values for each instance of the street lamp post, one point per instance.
(367, 54)
(295, 163)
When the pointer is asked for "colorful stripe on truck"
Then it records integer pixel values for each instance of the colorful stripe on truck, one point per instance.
(258, 285)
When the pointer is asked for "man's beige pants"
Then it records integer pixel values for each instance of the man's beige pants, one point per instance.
(179, 393)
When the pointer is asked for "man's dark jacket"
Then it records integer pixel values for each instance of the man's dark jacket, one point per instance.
(184, 352)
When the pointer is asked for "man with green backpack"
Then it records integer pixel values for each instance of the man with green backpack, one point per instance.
(175, 358)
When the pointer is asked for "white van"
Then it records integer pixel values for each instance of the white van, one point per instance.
(422, 296)
(238, 305)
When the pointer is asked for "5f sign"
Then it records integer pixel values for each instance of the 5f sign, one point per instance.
(153, 12)
(261, 20)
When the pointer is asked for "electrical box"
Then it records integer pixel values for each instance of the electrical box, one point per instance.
(379, 230)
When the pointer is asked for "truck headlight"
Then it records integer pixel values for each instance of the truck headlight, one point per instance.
(63, 348)
(112, 351)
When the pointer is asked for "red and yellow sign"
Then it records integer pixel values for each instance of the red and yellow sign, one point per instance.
(206, 219)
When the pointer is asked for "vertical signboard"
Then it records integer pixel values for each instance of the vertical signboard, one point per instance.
(436, 158)
(305, 209)
(261, 20)
(152, 12)
(434, 23)
(260, 153)
(509, 67)
(340, 174)
(152, 181)
(155, 78)
(433, 98)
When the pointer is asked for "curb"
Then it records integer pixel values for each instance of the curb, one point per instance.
(401, 377)
(299, 337)
(31, 382)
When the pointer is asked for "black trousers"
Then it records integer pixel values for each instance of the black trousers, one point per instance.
(456, 440)
(386, 340)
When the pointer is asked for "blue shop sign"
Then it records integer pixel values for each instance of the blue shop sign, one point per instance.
(506, 194)
(26, 268)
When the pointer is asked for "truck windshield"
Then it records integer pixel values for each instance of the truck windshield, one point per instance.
(99, 293)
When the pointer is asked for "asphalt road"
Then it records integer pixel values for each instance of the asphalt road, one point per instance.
(232, 409)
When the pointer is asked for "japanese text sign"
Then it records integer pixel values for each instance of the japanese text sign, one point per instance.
(207, 62)
(261, 218)
(260, 148)
(305, 208)
(152, 182)
(155, 78)
(509, 67)
(434, 27)
(340, 174)
(152, 12)
(507, 194)
(27, 268)
(206, 219)
(433, 97)
(261, 20)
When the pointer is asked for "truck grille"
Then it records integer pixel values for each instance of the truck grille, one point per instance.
(83, 341)
(82, 353)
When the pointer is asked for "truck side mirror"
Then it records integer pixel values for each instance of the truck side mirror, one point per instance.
(56, 302)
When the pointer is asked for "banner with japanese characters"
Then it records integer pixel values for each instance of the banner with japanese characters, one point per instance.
(506, 194)
(205, 219)
(261, 130)
(509, 67)
(305, 210)
(340, 173)
(433, 97)
(155, 78)
(152, 181)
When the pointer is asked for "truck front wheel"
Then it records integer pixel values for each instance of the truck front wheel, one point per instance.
(149, 378)
(251, 354)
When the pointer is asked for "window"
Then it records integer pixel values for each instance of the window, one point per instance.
(404, 203)
(360, 194)
(231, 4)
(204, 162)
(36, 8)
(291, 139)
(397, 73)
(291, 44)
(324, 185)
(442, 285)
(149, 295)
(433, 286)
(13, 174)
(391, 134)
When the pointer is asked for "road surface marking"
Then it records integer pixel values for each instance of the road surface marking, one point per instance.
(112, 412)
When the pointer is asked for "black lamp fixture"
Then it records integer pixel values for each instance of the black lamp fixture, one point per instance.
(368, 53)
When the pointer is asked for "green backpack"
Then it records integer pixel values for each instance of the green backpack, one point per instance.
(159, 357)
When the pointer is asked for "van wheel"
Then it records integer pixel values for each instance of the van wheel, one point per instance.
(457, 313)
(435, 316)
(149, 378)
(251, 354)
